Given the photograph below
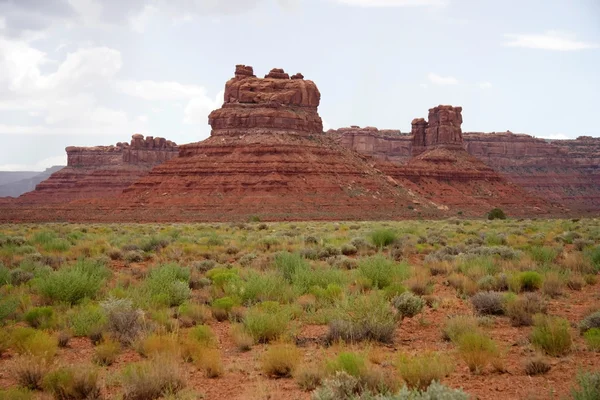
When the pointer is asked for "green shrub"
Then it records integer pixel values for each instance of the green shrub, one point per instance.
(70, 383)
(477, 350)
(592, 339)
(257, 288)
(408, 304)
(361, 318)
(530, 280)
(267, 321)
(152, 379)
(551, 335)
(222, 307)
(419, 371)
(280, 360)
(305, 280)
(521, 309)
(8, 307)
(382, 237)
(106, 353)
(459, 325)
(39, 317)
(594, 256)
(496, 213)
(381, 271)
(589, 386)
(87, 320)
(351, 363)
(4, 275)
(167, 285)
(203, 335)
(289, 264)
(29, 341)
(543, 255)
(73, 284)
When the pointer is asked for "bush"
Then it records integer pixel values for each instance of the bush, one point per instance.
(381, 271)
(459, 325)
(30, 371)
(242, 339)
(351, 363)
(590, 321)
(496, 213)
(537, 366)
(152, 379)
(551, 335)
(308, 378)
(267, 321)
(363, 318)
(477, 350)
(592, 339)
(222, 307)
(349, 249)
(382, 237)
(209, 360)
(8, 307)
(488, 303)
(39, 317)
(421, 370)
(521, 310)
(589, 386)
(19, 277)
(28, 341)
(530, 280)
(69, 383)
(106, 353)
(203, 335)
(408, 305)
(289, 264)
(553, 285)
(167, 285)
(280, 360)
(87, 320)
(73, 284)
(122, 320)
(158, 345)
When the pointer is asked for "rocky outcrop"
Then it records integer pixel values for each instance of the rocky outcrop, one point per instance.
(383, 145)
(441, 130)
(444, 173)
(101, 171)
(267, 156)
(274, 104)
(563, 171)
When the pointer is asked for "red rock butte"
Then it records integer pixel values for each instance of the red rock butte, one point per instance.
(102, 171)
(267, 156)
(277, 103)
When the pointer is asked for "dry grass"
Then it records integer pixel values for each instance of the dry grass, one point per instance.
(280, 360)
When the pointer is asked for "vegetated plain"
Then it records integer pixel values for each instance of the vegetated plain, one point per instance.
(388, 310)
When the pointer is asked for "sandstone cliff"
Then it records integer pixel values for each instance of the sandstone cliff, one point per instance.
(101, 171)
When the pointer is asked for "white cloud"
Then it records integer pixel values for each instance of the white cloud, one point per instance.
(485, 85)
(198, 108)
(393, 3)
(326, 126)
(442, 80)
(39, 166)
(550, 40)
(424, 85)
(153, 90)
(139, 22)
(554, 136)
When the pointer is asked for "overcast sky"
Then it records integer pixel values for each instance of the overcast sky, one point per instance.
(93, 72)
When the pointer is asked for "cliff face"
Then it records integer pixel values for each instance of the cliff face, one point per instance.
(443, 172)
(266, 156)
(101, 171)
(563, 171)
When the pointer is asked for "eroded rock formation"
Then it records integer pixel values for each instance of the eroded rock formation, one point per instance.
(102, 171)
(275, 103)
(381, 144)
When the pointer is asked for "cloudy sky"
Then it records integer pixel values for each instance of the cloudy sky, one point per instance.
(90, 72)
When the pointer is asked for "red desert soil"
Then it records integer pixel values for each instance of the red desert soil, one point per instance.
(243, 378)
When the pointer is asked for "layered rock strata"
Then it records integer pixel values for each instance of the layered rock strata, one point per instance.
(102, 171)
(444, 173)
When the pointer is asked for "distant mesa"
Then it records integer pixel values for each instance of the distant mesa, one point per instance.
(268, 156)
